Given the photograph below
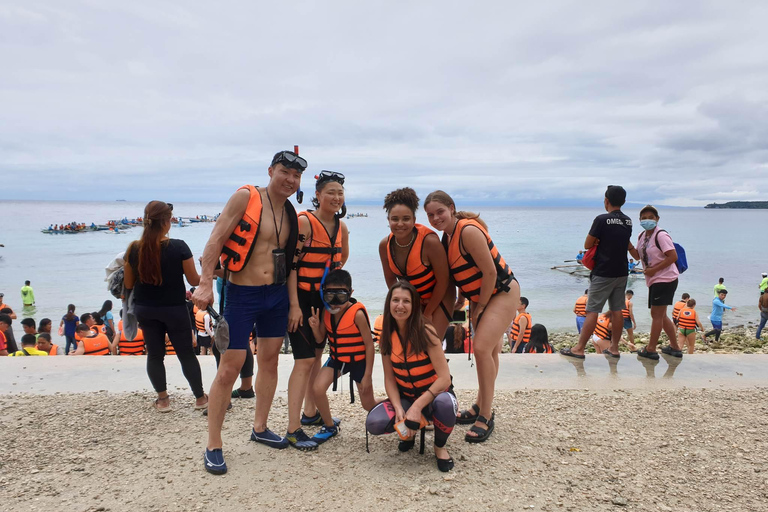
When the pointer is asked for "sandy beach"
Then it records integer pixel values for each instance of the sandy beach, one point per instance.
(598, 449)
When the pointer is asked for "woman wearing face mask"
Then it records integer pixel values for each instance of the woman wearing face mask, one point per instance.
(657, 252)
(324, 244)
(482, 275)
(413, 253)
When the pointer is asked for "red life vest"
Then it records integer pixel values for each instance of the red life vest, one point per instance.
(421, 276)
(465, 271)
(321, 249)
(414, 373)
(345, 342)
(239, 246)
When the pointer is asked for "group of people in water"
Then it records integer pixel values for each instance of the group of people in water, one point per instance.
(283, 272)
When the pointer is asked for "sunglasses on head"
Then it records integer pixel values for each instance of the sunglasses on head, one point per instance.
(330, 176)
(335, 296)
(170, 206)
(291, 159)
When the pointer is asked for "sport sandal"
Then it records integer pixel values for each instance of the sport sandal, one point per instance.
(482, 434)
(469, 416)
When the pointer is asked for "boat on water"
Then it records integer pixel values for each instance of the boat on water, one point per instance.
(579, 270)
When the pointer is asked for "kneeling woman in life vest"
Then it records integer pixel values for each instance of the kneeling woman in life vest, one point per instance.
(483, 277)
(413, 253)
(324, 246)
(416, 376)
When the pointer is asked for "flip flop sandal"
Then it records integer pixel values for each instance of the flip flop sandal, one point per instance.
(654, 356)
(467, 417)
(482, 434)
(609, 354)
(157, 407)
(567, 352)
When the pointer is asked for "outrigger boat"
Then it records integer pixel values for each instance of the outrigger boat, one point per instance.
(579, 270)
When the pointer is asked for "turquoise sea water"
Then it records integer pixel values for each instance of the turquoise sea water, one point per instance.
(70, 268)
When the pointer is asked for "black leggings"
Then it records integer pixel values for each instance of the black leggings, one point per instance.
(155, 322)
(442, 411)
(716, 332)
(247, 369)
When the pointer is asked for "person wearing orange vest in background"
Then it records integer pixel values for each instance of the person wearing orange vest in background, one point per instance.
(3, 305)
(376, 331)
(413, 252)
(91, 343)
(121, 345)
(628, 314)
(256, 238)
(601, 338)
(679, 305)
(416, 377)
(539, 343)
(520, 330)
(486, 280)
(204, 331)
(350, 345)
(580, 310)
(324, 246)
(688, 321)
(45, 344)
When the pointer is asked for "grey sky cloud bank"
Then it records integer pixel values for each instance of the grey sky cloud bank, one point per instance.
(492, 101)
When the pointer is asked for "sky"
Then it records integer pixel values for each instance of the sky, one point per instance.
(505, 103)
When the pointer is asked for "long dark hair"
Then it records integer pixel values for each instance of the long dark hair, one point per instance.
(156, 214)
(107, 306)
(459, 334)
(539, 339)
(70, 313)
(415, 335)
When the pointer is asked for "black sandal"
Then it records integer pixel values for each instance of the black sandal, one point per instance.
(466, 417)
(404, 446)
(482, 434)
(445, 465)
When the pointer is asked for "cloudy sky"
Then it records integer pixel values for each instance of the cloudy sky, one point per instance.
(504, 102)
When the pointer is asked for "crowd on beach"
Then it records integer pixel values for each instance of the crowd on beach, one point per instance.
(281, 276)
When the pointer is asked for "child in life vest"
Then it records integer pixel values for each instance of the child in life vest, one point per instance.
(345, 322)
(688, 321)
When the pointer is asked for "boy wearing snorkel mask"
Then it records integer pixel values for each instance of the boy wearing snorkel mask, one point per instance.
(345, 322)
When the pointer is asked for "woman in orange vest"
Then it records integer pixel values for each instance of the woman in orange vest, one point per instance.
(412, 252)
(416, 376)
(580, 310)
(539, 343)
(483, 277)
(688, 321)
(324, 245)
(45, 344)
(601, 338)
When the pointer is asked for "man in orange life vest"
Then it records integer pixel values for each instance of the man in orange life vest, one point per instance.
(255, 238)
(520, 330)
(91, 343)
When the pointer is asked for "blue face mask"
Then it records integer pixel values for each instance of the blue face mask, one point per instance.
(648, 224)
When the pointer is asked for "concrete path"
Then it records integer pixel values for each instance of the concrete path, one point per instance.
(48, 375)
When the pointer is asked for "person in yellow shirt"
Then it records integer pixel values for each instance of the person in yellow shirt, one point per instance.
(28, 348)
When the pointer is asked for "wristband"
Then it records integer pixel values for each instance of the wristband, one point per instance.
(413, 425)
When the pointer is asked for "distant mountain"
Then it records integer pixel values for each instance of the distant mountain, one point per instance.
(749, 205)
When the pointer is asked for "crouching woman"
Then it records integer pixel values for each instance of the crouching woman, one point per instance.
(416, 375)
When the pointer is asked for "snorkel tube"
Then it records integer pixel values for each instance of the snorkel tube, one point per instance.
(299, 193)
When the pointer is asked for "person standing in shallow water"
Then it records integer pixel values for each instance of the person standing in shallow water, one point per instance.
(611, 233)
(155, 267)
(482, 276)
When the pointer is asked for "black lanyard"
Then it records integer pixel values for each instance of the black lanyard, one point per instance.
(274, 218)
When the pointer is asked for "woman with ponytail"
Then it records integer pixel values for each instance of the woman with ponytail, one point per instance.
(324, 246)
(67, 328)
(483, 277)
(155, 267)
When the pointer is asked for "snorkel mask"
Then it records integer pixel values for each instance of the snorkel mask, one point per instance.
(325, 176)
(333, 299)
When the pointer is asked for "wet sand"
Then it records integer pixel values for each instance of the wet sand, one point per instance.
(598, 449)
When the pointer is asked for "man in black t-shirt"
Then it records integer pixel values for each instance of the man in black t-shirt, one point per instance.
(611, 233)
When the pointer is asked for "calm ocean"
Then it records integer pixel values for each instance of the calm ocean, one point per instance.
(70, 268)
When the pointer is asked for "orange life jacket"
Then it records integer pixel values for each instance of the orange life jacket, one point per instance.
(54, 350)
(376, 332)
(169, 350)
(532, 350)
(465, 271)
(239, 246)
(414, 373)
(687, 318)
(421, 276)
(516, 329)
(96, 346)
(322, 248)
(603, 327)
(200, 321)
(345, 342)
(679, 305)
(134, 347)
(98, 329)
(625, 311)
(581, 306)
